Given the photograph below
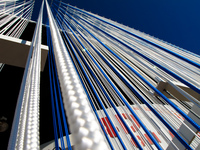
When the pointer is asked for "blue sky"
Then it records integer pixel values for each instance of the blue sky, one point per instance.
(174, 21)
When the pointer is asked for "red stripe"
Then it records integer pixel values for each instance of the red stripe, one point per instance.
(134, 128)
(179, 116)
(124, 115)
(117, 129)
(142, 141)
(198, 134)
(108, 127)
(135, 121)
(146, 109)
(133, 142)
(136, 108)
(171, 134)
(156, 137)
(148, 139)
(121, 124)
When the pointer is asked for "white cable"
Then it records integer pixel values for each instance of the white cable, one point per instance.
(83, 124)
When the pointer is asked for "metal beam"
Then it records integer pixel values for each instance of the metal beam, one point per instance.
(15, 51)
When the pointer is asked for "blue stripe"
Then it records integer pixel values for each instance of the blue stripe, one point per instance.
(56, 100)
(150, 107)
(93, 104)
(146, 130)
(61, 105)
(143, 79)
(52, 104)
(122, 98)
(156, 45)
(93, 90)
(150, 60)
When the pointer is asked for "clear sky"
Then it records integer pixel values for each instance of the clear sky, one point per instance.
(174, 21)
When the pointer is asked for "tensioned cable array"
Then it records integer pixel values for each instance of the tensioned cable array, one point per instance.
(121, 69)
(121, 89)
(57, 99)
(14, 16)
(83, 125)
(25, 128)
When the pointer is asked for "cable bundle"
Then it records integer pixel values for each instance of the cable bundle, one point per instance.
(120, 88)
(121, 69)
(56, 101)
(83, 125)
(14, 16)
(25, 128)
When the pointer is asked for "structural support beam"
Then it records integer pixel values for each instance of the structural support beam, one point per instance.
(179, 91)
(15, 51)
